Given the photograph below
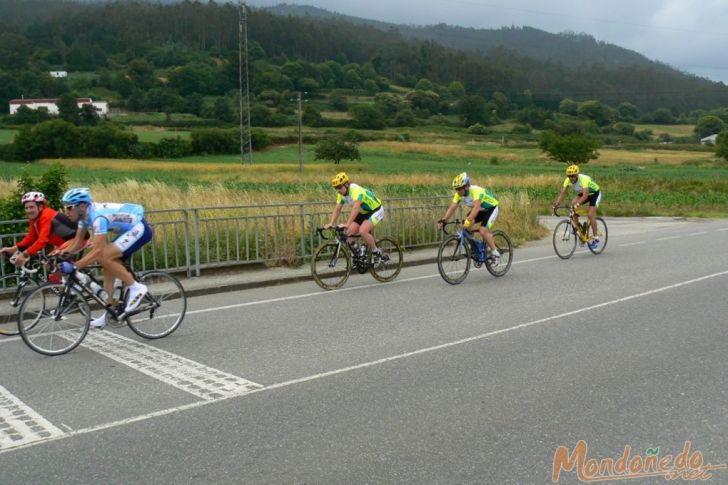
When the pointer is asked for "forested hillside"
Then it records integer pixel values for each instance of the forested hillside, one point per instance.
(190, 48)
(570, 49)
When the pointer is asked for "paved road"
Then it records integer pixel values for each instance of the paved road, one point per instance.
(415, 381)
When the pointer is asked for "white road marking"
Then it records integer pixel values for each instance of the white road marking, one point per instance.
(723, 229)
(697, 233)
(20, 425)
(340, 290)
(165, 412)
(185, 374)
(667, 238)
(632, 244)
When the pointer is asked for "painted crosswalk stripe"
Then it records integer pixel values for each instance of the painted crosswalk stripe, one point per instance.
(20, 424)
(185, 374)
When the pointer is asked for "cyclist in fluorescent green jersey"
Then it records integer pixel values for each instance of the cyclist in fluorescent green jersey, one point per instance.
(366, 211)
(587, 190)
(483, 209)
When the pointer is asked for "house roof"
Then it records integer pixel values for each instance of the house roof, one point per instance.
(47, 100)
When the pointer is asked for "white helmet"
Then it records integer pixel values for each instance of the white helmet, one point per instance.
(33, 197)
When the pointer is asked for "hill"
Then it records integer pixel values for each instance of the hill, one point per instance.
(568, 48)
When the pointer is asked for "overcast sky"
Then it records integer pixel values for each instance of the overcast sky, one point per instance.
(690, 35)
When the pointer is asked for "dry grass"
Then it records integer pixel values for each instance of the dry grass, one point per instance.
(484, 151)
(667, 157)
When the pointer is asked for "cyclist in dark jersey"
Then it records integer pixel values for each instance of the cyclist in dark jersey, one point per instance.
(46, 226)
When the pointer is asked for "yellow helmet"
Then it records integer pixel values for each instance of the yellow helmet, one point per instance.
(572, 170)
(339, 179)
(460, 180)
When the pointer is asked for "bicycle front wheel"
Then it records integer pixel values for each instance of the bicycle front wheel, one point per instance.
(505, 248)
(13, 289)
(602, 235)
(331, 265)
(453, 259)
(564, 239)
(163, 308)
(391, 263)
(54, 319)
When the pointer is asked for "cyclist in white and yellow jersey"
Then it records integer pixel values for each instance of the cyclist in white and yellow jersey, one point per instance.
(483, 209)
(586, 189)
(366, 211)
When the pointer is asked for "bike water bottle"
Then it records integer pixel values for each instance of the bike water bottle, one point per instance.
(98, 290)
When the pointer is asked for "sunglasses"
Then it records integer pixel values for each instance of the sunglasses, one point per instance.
(338, 187)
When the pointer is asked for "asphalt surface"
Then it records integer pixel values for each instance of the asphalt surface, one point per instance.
(413, 381)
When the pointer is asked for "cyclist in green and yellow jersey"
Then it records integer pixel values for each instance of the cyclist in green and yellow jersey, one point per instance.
(483, 209)
(587, 190)
(366, 211)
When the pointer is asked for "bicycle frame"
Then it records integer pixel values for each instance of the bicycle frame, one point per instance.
(576, 226)
(467, 235)
(342, 238)
(116, 311)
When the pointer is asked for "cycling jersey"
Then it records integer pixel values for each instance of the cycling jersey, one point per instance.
(109, 217)
(582, 180)
(50, 227)
(475, 192)
(369, 201)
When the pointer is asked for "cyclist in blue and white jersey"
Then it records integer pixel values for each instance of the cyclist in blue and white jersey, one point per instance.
(132, 231)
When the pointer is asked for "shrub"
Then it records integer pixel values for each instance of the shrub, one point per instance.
(478, 129)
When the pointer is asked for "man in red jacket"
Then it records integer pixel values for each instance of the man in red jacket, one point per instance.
(45, 226)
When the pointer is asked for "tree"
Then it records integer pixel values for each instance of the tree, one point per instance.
(569, 148)
(88, 115)
(474, 109)
(68, 109)
(709, 125)
(627, 112)
(663, 116)
(568, 106)
(594, 110)
(721, 145)
(367, 117)
(337, 149)
(312, 117)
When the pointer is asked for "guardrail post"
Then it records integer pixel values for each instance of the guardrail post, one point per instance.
(188, 263)
(303, 231)
(197, 241)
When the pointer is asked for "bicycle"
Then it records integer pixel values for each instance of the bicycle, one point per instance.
(55, 318)
(332, 262)
(15, 286)
(570, 231)
(459, 249)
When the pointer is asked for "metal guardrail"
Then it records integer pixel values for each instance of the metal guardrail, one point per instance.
(192, 240)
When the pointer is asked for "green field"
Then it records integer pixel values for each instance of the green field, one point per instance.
(634, 182)
(154, 136)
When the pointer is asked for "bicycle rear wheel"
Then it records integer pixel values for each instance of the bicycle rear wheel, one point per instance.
(54, 319)
(453, 259)
(331, 265)
(602, 234)
(163, 308)
(13, 289)
(391, 264)
(505, 248)
(565, 239)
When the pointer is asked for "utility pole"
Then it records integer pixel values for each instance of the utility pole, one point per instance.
(246, 135)
(300, 133)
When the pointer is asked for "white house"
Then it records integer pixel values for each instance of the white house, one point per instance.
(51, 105)
(59, 73)
(709, 139)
